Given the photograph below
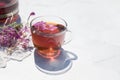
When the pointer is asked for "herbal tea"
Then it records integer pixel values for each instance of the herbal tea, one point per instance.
(8, 8)
(47, 38)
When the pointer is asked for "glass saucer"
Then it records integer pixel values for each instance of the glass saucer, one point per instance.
(58, 65)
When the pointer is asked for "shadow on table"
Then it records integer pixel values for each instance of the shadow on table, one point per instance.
(59, 65)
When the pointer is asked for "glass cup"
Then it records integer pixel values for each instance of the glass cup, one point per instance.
(48, 35)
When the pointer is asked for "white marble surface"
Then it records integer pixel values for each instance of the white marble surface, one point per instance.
(95, 25)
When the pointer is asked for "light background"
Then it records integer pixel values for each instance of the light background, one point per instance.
(95, 26)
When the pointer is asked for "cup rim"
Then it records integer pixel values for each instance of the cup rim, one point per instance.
(47, 34)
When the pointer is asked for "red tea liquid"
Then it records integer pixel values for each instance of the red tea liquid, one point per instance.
(48, 42)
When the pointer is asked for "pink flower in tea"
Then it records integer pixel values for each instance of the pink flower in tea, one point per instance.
(45, 27)
(52, 27)
(40, 25)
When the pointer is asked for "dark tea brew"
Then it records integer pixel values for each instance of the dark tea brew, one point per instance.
(8, 9)
(47, 38)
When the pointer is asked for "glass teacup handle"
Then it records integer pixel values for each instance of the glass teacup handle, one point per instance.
(68, 37)
(71, 56)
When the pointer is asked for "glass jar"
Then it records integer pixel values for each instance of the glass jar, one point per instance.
(8, 11)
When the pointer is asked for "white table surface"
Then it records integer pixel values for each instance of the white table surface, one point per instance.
(95, 25)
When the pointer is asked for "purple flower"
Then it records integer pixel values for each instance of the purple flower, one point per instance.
(9, 36)
(52, 27)
(44, 26)
(32, 13)
(40, 25)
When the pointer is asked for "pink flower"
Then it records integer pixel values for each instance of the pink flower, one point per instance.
(44, 26)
